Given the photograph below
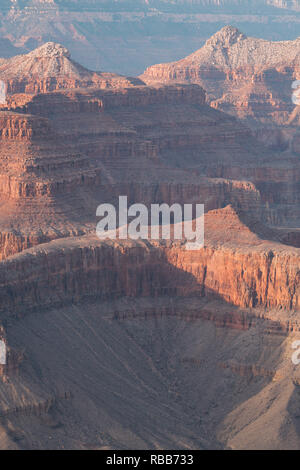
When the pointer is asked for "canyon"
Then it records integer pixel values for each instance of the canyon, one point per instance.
(121, 344)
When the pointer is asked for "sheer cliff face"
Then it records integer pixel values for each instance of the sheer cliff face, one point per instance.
(245, 76)
(173, 5)
(64, 151)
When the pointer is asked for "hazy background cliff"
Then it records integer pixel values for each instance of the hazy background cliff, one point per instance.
(126, 36)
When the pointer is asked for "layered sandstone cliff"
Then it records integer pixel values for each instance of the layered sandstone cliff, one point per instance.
(76, 149)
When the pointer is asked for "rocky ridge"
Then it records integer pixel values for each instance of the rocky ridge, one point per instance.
(49, 68)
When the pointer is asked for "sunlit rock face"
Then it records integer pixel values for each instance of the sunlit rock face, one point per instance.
(252, 78)
(95, 331)
(50, 68)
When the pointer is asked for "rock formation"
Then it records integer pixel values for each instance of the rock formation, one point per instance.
(249, 77)
(86, 145)
(235, 265)
(97, 331)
